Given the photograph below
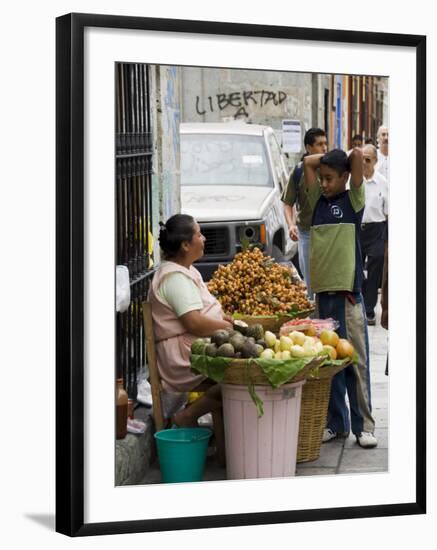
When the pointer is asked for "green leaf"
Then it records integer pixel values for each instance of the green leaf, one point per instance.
(336, 362)
(268, 263)
(245, 244)
(212, 367)
(296, 314)
(251, 388)
(280, 372)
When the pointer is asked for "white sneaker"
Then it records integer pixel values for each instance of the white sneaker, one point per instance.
(367, 440)
(329, 434)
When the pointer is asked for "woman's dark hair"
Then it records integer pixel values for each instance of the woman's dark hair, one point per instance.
(337, 160)
(178, 228)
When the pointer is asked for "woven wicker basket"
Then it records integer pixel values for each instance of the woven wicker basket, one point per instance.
(237, 372)
(313, 413)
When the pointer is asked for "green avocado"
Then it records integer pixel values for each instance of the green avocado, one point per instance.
(258, 331)
(226, 350)
(211, 350)
(198, 347)
(220, 337)
(249, 350)
(237, 341)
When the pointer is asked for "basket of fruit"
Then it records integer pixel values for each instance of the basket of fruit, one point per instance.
(258, 290)
(248, 355)
(315, 397)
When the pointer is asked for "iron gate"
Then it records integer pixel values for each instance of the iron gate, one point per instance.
(133, 200)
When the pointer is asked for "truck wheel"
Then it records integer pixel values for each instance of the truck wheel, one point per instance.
(277, 253)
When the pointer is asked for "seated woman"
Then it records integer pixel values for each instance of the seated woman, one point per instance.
(183, 309)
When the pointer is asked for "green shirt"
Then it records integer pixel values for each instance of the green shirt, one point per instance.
(297, 194)
(335, 258)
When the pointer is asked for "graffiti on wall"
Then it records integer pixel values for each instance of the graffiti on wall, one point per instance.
(240, 102)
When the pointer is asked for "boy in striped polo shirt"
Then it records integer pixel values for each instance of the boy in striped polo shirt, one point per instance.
(336, 274)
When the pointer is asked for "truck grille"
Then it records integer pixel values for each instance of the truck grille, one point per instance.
(217, 240)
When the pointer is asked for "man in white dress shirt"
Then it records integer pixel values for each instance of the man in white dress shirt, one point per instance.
(382, 139)
(373, 229)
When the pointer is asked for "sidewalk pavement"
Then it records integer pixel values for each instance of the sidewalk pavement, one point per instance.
(339, 456)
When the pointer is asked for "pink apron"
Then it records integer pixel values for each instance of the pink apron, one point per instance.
(173, 343)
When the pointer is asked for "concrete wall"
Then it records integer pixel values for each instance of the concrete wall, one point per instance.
(165, 106)
(259, 97)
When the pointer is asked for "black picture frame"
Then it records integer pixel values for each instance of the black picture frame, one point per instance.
(70, 273)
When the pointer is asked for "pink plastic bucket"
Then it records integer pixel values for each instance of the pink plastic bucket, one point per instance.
(263, 447)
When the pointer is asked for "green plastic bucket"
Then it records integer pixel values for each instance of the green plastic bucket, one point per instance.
(182, 453)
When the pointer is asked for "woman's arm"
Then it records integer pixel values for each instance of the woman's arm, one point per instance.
(201, 325)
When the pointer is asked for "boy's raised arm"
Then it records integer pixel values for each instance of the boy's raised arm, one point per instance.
(310, 165)
(356, 167)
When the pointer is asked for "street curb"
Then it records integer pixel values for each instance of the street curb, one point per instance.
(135, 453)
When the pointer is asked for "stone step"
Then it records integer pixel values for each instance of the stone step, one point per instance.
(136, 452)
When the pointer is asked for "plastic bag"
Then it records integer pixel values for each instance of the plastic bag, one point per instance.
(122, 287)
(144, 390)
(135, 426)
(306, 324)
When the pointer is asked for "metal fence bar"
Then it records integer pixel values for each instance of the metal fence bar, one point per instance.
(133, 197)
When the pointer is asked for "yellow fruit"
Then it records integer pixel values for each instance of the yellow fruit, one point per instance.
(285, 343)
(297, 351)
(297, 337)
(344, 349)
(329, 350)
(267, 354)
(269, 338)
(318, 346)
(329, 338)
(311, 331)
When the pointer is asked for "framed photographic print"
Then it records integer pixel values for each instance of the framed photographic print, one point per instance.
(157, 117)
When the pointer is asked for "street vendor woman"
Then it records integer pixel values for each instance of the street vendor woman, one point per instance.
(336, 273)
(183, 309)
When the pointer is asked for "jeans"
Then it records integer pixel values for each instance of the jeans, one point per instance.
(354, 379)
(303, 247)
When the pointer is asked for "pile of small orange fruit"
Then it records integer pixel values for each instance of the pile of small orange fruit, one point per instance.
(254, 284)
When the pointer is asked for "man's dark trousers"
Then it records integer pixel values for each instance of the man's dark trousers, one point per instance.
(372, 239)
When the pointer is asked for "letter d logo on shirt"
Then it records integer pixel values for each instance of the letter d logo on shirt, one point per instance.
(336, 211)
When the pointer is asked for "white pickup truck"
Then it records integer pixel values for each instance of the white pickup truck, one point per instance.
(232, 178)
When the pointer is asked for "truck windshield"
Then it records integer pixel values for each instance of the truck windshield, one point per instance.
(227, 159)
